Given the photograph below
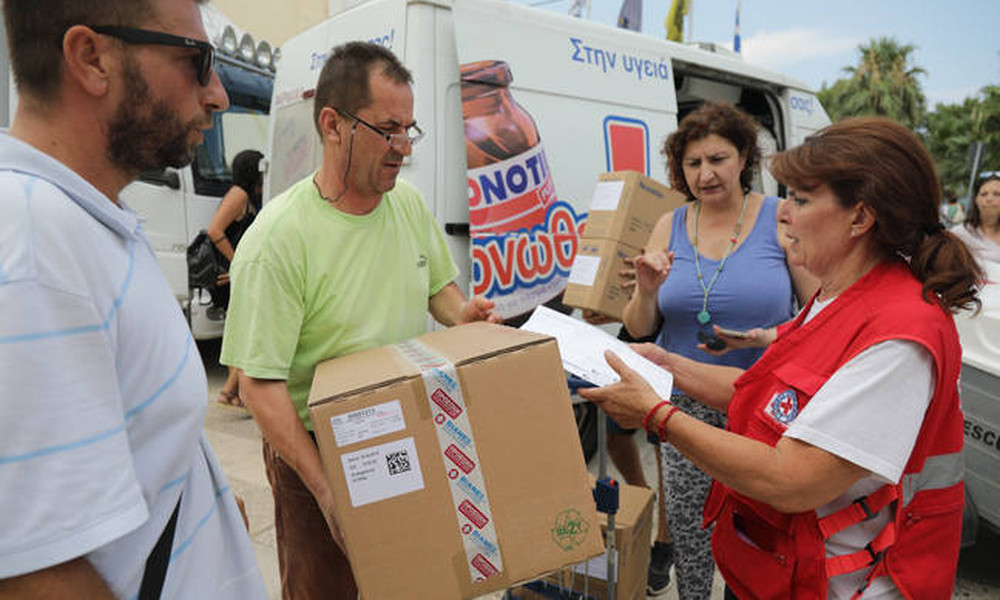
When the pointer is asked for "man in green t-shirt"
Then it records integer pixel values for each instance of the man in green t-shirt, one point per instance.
(344, 260)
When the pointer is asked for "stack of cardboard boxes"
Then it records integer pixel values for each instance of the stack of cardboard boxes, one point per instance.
(625, 208)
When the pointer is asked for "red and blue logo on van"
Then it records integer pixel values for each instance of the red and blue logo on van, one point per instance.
(626, 144)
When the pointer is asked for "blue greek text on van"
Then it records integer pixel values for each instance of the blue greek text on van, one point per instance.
(457, 434)
(384, 40)
(805, 104)
(608, 60)
(471, 489)
(317, 60)
(494, 184)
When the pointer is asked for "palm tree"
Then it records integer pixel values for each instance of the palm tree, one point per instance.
(948, 135)
(883, 83)
(952, 128)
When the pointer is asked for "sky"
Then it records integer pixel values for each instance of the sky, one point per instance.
(957, 41)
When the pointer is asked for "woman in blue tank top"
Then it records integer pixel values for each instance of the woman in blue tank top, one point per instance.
(718, 261)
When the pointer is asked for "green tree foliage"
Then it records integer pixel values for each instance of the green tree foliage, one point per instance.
(948, 136)
(883, 83)
(952, 128)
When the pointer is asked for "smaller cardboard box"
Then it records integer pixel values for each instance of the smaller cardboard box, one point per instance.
(633, 537)
(455, 462)
(594, 281)
(626, 206)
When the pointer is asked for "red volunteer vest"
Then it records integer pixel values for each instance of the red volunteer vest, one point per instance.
(918, 549)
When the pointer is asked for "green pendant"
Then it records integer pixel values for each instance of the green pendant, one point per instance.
(704, 317)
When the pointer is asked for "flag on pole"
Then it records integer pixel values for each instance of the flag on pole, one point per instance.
(675, 20)
(630, 15)
(736, 31)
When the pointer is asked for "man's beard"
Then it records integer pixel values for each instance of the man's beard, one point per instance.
(145, 134)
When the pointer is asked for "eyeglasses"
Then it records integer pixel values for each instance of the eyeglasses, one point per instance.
(395, 140)
(204, 60)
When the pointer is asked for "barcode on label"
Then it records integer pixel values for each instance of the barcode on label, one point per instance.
(399, 462)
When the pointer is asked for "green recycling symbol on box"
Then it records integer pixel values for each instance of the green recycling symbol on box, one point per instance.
(570, 529)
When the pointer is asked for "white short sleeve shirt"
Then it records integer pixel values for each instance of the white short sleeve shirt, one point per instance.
(869, 413)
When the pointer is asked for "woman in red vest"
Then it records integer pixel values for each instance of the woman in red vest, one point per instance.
(840, 472)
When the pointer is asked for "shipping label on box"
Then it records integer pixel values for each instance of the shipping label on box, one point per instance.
(380, 472)
(594, 281)
(455, 462)
(626, 206)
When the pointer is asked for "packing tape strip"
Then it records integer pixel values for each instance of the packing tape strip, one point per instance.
(461, 461)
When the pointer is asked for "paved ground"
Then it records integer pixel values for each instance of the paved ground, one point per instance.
(236, 441)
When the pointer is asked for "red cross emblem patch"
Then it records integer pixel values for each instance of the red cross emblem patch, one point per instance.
(784, 407)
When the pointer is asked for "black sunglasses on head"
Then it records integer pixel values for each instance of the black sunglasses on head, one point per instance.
(204, 60)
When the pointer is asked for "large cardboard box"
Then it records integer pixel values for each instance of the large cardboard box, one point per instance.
(633, 537)
(594, 281)
(626, 206)
(455, 462)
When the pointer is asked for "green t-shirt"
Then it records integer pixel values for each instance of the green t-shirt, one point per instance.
(310, 282)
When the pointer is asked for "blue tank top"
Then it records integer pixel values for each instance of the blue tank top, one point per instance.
(753, 289)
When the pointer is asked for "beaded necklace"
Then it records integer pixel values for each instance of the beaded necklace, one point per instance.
(704, 316)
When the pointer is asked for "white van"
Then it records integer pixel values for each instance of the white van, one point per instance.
(980, 383)
(523, 108)
(512, 182)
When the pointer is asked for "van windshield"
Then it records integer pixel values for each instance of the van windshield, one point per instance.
(238, 128)
(243, 126)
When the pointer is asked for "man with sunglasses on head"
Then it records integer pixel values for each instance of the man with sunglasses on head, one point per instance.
(347, 259)
(109, 487)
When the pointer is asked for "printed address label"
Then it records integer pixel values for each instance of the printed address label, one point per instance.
(382, 472)
(367, 423)
(585, 270)
(607, 194)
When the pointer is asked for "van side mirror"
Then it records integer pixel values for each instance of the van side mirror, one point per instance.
(163, 177)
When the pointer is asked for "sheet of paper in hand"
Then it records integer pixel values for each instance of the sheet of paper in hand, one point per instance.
(582, 347)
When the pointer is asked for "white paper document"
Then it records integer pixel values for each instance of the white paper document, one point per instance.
(582, 349)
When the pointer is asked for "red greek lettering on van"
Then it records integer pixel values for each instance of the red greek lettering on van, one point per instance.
(510, 195)
(521, 270)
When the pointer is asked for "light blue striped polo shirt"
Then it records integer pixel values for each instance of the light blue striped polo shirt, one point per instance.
(102, 397)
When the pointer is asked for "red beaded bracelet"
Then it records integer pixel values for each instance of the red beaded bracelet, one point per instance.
(649, 415)
(661, 430)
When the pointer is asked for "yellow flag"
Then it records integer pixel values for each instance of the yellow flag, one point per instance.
(675, 20)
